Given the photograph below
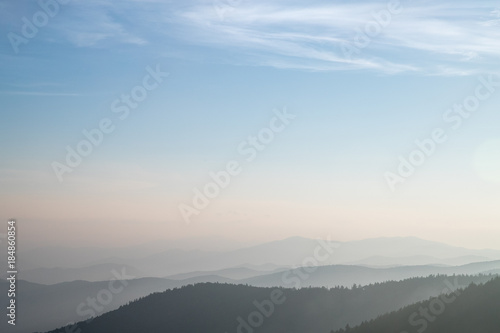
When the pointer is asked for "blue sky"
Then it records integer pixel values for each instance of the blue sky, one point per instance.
(230, 64)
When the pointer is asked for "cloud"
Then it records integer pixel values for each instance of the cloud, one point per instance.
(96, 24)
(426, 37)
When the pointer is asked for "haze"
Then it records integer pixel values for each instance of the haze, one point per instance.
(324, 173)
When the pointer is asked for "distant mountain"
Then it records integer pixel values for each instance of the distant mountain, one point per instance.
(380, 261)
(347, 275)
(235, 273)
(274, 254)
(475, 309)
(158, 259)
(49, 306)
(101, 272)
(204, 279)
(284, 253)
(44, 307)
(293, 251)
(88, 256)
(408, 247)
(75, 257)
(219, 308)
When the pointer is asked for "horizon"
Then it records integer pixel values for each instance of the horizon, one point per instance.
(218, 244)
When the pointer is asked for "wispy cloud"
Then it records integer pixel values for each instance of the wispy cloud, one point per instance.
(435, 39)
(94, 26)
(427, 37)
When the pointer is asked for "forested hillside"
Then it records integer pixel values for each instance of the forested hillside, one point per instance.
(219, 308)
(473, 310)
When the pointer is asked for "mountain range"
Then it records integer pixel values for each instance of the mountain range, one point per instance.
(219, 308)
(54, 265)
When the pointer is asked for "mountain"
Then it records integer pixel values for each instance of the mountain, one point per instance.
(347, 275)
(475, 309)
(293, 251)
(381, 261)
(407, 247)
(48, 306)
(89, 256)
(156, 261)
(235, 273)
(101, 272)
(43, 307)
(219, 308)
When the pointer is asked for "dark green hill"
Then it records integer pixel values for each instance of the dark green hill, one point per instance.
(219, 308)
(474, 310)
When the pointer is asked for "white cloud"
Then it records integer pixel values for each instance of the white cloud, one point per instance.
(424, 37)
(95, 24)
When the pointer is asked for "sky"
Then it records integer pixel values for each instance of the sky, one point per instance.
(347, 119)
